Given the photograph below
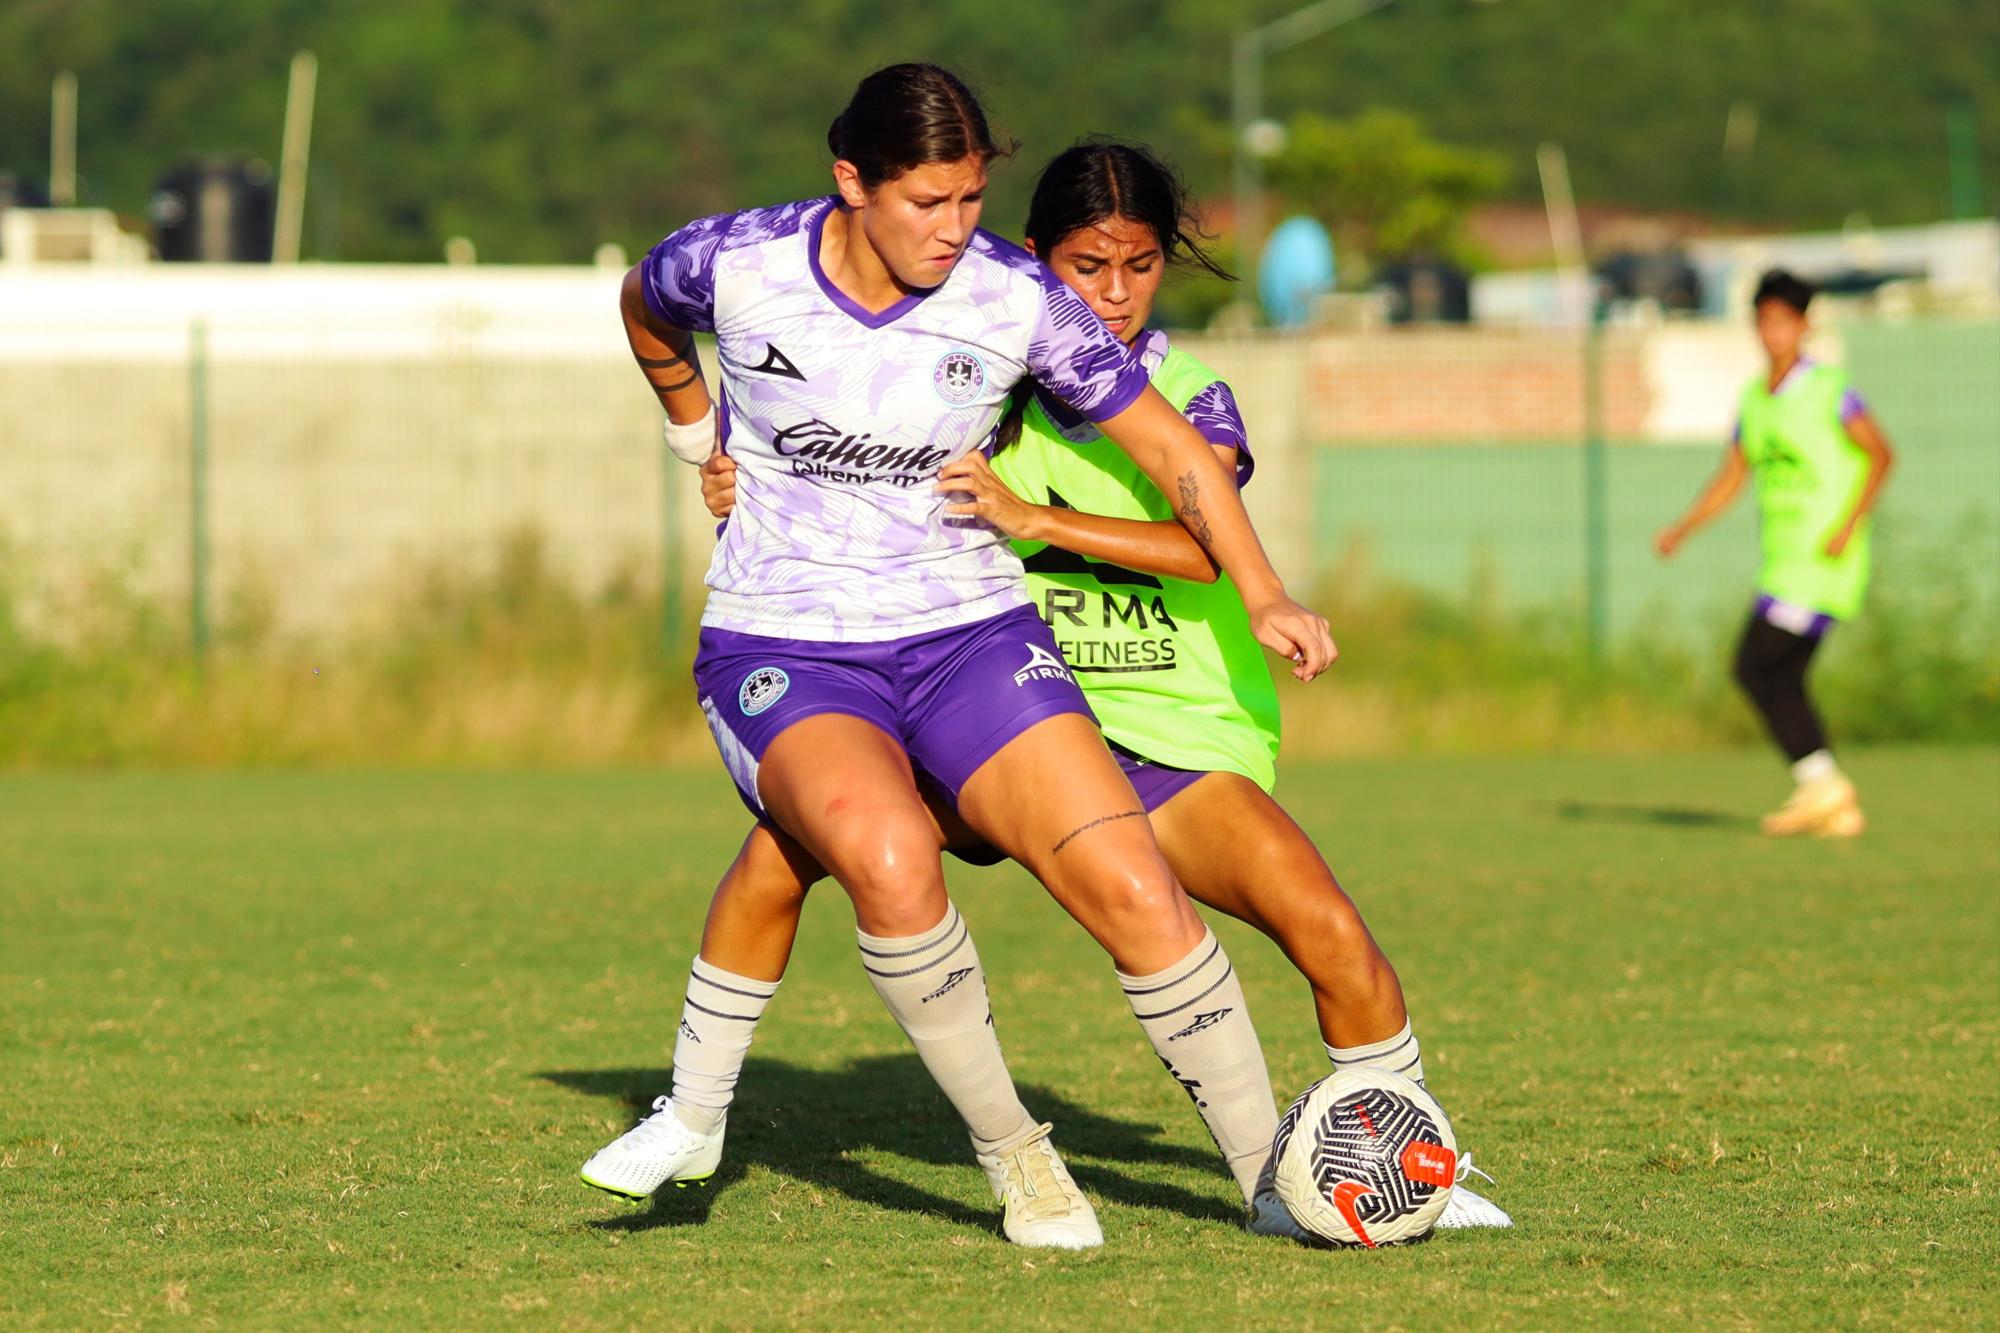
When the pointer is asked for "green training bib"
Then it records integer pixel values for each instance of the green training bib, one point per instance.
(1170, 666)
(1807, 473)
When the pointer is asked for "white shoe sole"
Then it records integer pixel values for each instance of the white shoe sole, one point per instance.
(630, 1196)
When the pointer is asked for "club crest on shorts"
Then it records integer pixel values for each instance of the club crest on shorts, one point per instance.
(958, 378)
(762, 688)
(1042, 665)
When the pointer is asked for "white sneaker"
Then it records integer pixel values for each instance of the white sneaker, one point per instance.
(660, 1149)
(1464, 1209)
(1810, 805)
(1268, 1214)
(1045, 1209)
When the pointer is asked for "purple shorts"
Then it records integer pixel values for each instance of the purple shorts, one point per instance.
(951, 697)
(1793, 618)
(1156, 783)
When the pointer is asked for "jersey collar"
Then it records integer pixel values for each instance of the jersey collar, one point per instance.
(873, 319)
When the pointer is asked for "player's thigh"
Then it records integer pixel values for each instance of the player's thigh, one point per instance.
(1235, 849)
(1054, 800)
(844, 789)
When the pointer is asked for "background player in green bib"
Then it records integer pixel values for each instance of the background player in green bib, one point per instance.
(1819, 462)
(1156, 638)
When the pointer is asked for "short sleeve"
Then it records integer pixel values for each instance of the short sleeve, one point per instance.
(679, 274)
(1079, 360)
(1851, 406)
(1213, 412)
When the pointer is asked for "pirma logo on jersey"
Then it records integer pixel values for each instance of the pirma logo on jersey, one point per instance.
(958, 378)
(762, 688)
(1042, 665)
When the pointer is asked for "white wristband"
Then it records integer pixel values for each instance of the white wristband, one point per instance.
(695, 441)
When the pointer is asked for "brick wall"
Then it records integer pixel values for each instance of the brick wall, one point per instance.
(1468, 386)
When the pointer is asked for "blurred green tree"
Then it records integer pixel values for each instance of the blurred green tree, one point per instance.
(542, 127)
(1382, 185)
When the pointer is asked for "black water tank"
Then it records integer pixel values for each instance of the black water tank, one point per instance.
(1426, 291)
(1666, 277)
(215, 210)
(18, 193)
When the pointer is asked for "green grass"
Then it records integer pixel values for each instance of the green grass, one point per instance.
(288, 1049)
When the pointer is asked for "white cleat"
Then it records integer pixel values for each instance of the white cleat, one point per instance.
(1465, 1210)
(1268, 1215)
(1045, 1209)
(658, 1150)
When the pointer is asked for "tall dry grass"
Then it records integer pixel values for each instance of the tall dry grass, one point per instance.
(513, 667)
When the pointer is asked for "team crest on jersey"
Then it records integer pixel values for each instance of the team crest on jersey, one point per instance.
(1042, 665)
(764, 687)
(959, 377)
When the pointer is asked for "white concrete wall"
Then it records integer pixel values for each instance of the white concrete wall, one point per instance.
(363, 423)
(366, 423)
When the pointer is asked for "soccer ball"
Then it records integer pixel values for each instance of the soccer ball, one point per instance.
(1365, 1158)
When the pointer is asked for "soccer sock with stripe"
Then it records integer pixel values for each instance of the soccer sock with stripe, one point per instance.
(718, 1018)
(936, 991)
(1399, 1054)
(1195, 1016)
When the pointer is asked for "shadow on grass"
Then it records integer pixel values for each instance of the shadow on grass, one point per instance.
(803, 1123)
(1613, 812)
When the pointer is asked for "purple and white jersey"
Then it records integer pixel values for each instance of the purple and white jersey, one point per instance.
(839, 420)
(1212, 410)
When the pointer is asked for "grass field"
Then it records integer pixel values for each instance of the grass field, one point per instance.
(284, 1049)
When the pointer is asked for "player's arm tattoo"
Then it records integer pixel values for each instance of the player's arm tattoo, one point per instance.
(1191, 515)
(1067, 838)
(680, 354)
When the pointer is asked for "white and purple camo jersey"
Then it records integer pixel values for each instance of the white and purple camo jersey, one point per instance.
(839, 420)
(1212, 410)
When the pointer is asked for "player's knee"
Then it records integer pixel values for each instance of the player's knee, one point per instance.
(891, 872)
(1320, 925)
(1143, 904)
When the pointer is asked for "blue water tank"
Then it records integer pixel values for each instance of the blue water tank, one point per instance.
(1296, 269)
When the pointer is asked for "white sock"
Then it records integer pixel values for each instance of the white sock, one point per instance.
(1815, 767)
(1399, 1054)
(1195, 1016)
(718, 1018)
(936, 991)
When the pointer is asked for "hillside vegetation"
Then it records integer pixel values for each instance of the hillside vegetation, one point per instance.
(541, 129)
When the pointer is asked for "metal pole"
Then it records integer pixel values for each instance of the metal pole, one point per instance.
(292, 159)
(198, 488)
(1565, 234)
(62, 141)
(1246, 102)
(1596, 549)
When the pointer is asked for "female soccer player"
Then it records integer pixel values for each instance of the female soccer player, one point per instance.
(1819, 460)
(1158, 640)
(855, 628)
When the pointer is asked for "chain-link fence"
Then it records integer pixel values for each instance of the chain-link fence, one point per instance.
(1462, 463)
(297, 451)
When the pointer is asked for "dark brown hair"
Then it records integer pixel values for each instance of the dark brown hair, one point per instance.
(904, 116)
(1786, 287)
(1101, 178)
(1095, 179)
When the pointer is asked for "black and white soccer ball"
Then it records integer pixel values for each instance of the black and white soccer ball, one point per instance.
(1366, 1159)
